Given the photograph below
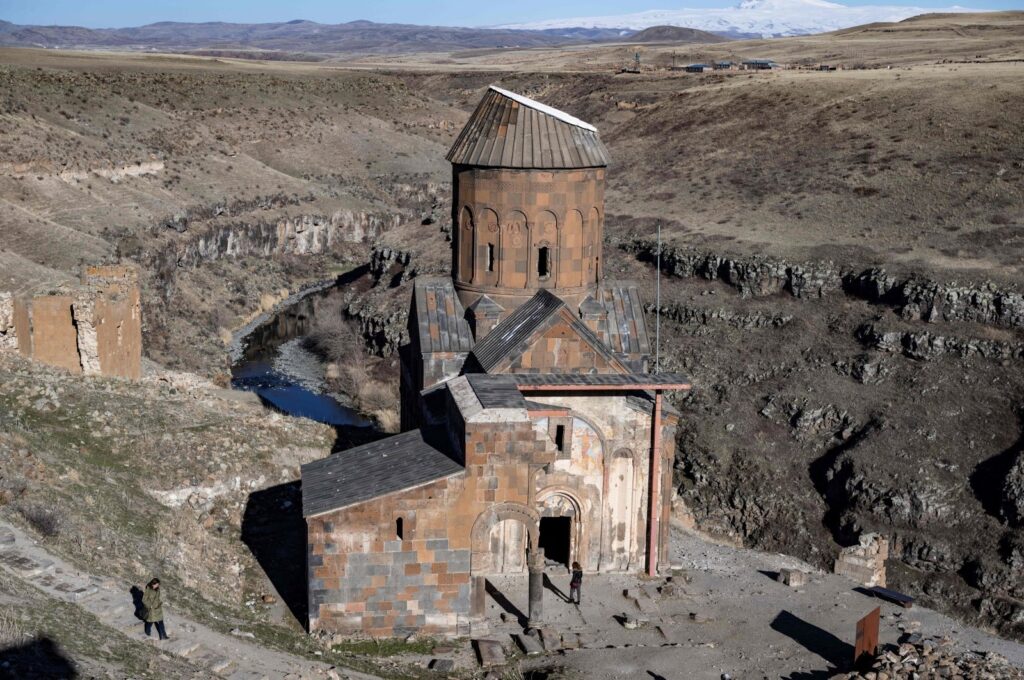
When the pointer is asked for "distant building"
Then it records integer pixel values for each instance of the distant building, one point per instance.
(760, 65)
(723, 65)
(826, 67)
(697, 68)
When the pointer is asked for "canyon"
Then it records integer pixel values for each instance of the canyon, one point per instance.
(840, 277)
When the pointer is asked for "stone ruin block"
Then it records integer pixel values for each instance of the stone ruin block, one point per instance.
(793, 578)
(865, 562)
(8, 335)
(93, 328)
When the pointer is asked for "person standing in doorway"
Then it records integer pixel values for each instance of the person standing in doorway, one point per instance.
(153, 609)
(575, 582)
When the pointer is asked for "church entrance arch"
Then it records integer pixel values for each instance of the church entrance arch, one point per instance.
(483, 551)
(561, 527)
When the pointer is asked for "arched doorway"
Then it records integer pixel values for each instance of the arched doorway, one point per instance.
(489, 527)
(560, 527)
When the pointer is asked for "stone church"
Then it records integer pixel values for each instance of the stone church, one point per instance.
(533, 434)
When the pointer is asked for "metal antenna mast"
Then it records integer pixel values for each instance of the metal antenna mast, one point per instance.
(657, 305)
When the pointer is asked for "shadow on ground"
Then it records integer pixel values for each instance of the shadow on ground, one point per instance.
(817, 640)
(39, 658)
(275, 532)
(506, 604)
(989, 476)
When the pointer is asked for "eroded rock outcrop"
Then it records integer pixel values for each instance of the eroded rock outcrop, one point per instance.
(924, 345)
(914, 297)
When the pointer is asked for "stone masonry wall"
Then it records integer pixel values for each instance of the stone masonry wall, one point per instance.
(364, 578)
(94, 328)
(560, 350)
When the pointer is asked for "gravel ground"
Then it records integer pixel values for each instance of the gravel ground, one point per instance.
(727, 615)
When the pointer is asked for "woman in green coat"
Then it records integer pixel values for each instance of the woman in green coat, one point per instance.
(153, 609)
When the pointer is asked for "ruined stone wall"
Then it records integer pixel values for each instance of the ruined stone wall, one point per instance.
(94, 328)
(8, 335)
(116, 320)
(54, 336)
(865, 562)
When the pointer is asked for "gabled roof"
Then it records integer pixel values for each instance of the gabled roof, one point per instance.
(440, 320)
(626, 326)
(508, 130)
(393, 464)
(512, 337)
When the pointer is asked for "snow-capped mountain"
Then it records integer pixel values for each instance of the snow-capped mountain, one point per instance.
(751, 18)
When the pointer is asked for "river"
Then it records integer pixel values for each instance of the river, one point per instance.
(275, 364)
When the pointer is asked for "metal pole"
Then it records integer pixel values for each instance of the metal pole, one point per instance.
(657, 305)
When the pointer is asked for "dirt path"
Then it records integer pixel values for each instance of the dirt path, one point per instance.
(225, 656)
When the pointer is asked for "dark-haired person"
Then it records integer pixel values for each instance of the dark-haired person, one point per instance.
(575, 583)
(153, 609)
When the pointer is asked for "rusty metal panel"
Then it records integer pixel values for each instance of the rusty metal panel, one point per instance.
(866, 647)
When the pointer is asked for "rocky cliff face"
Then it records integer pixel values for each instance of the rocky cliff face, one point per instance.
(830, 402)
(913, 297)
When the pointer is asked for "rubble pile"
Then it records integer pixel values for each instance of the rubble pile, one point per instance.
(935, 658)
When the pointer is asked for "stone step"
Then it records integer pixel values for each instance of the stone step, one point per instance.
(182, 647)
(530, 644)
(74, 592)
(248, 674)
(490, 652)
(551, 639)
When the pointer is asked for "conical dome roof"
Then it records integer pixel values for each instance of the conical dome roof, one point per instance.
(508, 130)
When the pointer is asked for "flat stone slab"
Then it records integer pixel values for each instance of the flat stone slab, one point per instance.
(489, 652)
(530, 645)
(570, 640)
(551, 640)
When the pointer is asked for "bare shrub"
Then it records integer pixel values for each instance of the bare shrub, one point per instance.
(333, 338)
(43, 520)
(11, 632)
(388, 421)
(376, 396)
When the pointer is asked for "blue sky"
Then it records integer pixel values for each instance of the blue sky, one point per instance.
(117, 13)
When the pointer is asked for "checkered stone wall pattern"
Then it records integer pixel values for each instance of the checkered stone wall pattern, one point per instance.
(517, 231)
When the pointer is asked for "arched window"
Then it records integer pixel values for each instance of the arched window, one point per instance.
(490, 257)
(544, 262)
(399, 529)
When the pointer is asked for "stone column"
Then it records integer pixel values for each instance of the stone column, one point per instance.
(536, 568)
(477, 605)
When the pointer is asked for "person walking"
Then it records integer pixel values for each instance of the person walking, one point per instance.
(153, 609)
(575, 582)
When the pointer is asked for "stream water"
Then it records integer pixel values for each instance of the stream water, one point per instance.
(276, 365)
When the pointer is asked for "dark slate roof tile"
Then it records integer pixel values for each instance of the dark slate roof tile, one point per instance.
(496, 391)
(507, 337)
(599, 379)
(365, 472)
(440, 318)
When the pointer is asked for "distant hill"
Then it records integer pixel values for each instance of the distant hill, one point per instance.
(749, 18)
(293, 36)
(675, 34)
